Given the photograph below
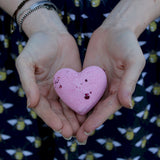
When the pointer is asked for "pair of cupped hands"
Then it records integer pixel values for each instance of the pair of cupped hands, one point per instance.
(115, 50)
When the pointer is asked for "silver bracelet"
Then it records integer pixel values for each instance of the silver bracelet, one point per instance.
(42, 4)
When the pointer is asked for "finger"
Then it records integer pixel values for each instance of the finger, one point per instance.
(81, 118)
(129, 79)
(99, 115)
(45, 112)
(27, 77)
(71, 117)
(66, 131)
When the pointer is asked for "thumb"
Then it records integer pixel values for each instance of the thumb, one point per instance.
(26, 73)
(128, 83)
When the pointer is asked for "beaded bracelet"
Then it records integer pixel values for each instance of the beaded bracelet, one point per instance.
(42, 4)
(15, 14)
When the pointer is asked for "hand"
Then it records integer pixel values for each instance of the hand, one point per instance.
(116, 51)
(44, 54)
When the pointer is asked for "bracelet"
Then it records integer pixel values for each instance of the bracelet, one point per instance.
(18, 8)
(42, 4)
(15, 14)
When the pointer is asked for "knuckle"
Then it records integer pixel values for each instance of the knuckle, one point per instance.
(143, 61)
(19, 61)
(132, 82)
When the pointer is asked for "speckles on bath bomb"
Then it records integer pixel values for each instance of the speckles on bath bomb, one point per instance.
(60, 86)
(56, 80)
(87, 96)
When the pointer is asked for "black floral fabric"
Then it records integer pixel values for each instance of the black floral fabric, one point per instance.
(126, 135)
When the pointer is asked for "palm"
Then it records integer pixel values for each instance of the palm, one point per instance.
(42, 57)
(119, 54)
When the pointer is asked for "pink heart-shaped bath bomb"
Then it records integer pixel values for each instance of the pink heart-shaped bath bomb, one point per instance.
(80, 90)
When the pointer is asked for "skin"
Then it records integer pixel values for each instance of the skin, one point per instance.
(121, 57)
(113, 46)
(49, 48)
(44, 57)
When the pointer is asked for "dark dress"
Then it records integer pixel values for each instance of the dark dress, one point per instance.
(126, 135)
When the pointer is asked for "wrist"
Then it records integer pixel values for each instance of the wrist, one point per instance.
(43, 20)
(40, 20)
(133, 15)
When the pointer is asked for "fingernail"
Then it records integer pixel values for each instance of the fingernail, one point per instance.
(28, 104)
(82, 143)
(130, 102)
(67, 138)
(131, 105)
(88, 134)
(59, 131)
